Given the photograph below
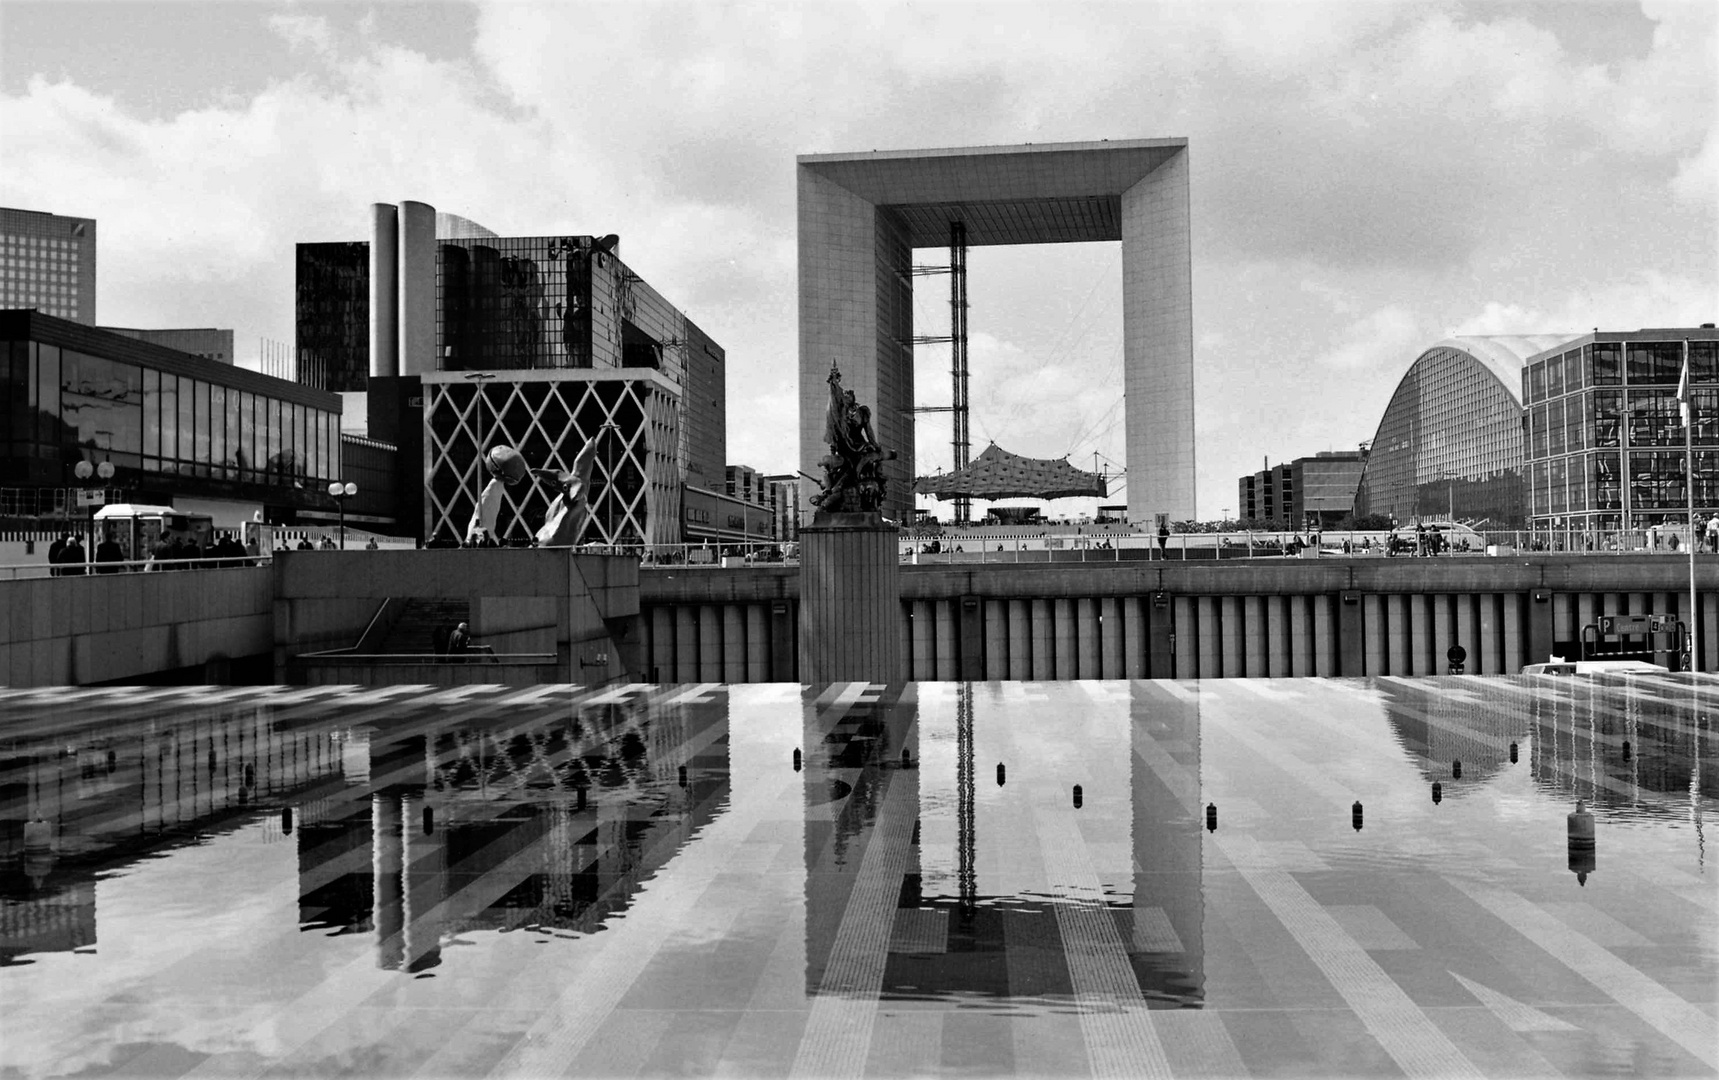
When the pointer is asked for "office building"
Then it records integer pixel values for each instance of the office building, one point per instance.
(198, 435)
(1449, 444)
(48, 263)
(1307, 492)
(1605, 440)
(547, 322)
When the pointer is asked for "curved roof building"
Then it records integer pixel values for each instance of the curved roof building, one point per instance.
(1450, 441)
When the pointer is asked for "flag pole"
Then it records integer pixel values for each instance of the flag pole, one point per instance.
(1687, 408)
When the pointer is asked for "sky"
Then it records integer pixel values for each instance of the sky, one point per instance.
(1365, 179)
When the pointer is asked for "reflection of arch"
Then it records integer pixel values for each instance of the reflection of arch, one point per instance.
(967, 923)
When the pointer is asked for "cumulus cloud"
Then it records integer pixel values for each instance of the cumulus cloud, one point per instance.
(1642, 299)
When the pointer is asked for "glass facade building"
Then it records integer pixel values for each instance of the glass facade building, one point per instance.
(48, 262)
(564, 306)
(1450, 442)
(172, 424)
(1605, 440)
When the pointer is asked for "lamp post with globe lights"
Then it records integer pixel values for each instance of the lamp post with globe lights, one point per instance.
(85, 471)
(340, 492)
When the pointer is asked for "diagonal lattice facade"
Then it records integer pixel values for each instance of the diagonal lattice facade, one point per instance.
(547, 416)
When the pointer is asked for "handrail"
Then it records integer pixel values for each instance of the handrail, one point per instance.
(16, 571)
(340, 656)
(371, 625)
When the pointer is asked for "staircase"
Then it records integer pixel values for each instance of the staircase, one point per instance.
(411, 632)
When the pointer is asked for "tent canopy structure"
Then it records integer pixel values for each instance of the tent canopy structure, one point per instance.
(998, 474)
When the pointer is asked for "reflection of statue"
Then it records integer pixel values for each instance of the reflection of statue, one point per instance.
(853, 473)
(568, 511)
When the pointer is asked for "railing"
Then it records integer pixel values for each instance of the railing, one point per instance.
(480, 654)
(17, 571)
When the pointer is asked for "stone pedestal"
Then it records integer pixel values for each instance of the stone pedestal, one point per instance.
(850, 599)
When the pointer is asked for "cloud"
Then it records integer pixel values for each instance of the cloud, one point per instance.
(1639, 300)
(304, 31)
(1378, 339)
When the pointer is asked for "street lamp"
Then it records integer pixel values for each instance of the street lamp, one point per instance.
(83, 470)
(340, 493)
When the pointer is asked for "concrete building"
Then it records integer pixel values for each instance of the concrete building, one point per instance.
(1450, 441)
(48, 262)
(1318, 489)
(1605, 439)
(457, 335)
(207, 342)
(861, 215)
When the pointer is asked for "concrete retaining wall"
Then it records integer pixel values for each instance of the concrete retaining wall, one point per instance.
(1265, 618)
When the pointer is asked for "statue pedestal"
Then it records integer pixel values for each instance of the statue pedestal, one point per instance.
(850, 599)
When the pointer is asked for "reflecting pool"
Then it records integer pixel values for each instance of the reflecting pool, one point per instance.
(1243, 877)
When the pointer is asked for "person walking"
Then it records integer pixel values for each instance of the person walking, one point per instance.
(1713, 534)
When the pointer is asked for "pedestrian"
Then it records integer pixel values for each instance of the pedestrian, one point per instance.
(371, 546)
(109, 551)
(57, 555)
(1713, 534)
(73, 557)
(460, 640)
(1163, 540)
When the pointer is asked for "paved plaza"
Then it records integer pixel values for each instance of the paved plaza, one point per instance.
(1310, 877)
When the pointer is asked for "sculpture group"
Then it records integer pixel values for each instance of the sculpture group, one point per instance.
(853, 478)
(568, 510)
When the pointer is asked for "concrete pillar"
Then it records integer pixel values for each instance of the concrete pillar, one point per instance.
(922, 637)
(1020, 640)
(1064, 638)
(417, 289)
(1278, 637)
(996, 626)
(850, 600)
(1180, 650)
(943, 614)
(1134, 638)
(1228, 610)
(1111, 635)
(384, 289)
(1373, 641)
(1086, 639)
(1158, 343)
(1043, 650)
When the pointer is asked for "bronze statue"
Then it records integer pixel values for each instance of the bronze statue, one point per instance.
(568, 511)
(853, 474)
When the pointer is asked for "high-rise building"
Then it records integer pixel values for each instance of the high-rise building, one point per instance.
(1605, 442)
(49, 264)
(556, 323)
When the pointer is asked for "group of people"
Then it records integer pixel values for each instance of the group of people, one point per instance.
(67, 556)
(176, 553)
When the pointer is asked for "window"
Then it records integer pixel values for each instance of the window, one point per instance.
(1605, 363)
(1535, 389)
(1607, 415)
(1654, 362)
(1555, 377)
(1704, 361)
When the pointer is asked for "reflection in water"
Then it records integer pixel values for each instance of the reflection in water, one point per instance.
(550, 826)
(970, 907)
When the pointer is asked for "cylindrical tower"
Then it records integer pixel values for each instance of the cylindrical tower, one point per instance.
(417, 282)
(384, 289)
